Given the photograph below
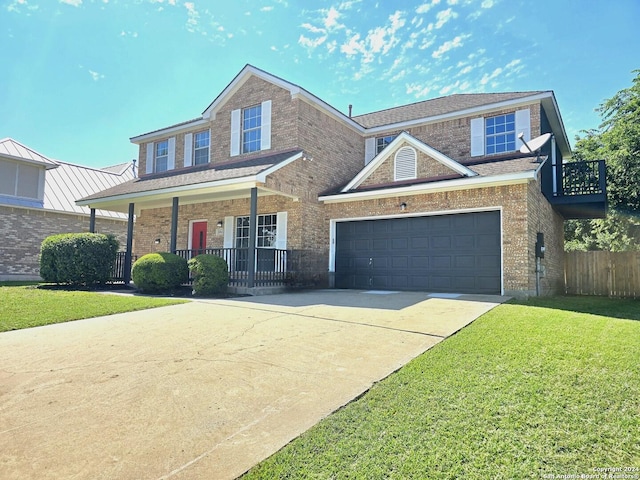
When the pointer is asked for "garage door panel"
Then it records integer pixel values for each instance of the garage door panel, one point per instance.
(448, 253)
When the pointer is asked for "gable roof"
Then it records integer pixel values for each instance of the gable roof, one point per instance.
(10, 148)
(437, 106)
(405, 137)
(68, 183)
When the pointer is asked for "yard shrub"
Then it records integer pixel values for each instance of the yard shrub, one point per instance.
(159, 272)
(210, 274)
(78, 258)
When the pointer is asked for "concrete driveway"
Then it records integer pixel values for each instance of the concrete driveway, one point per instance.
(206, 389)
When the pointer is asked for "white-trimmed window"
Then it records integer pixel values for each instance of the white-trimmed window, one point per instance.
(20, 180)
(251, 128)
(405, 165)
(201, 148)
(500, 134)
(382, 142)
(161, 156)
(266, 233)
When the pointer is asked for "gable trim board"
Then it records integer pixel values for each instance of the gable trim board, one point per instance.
(414, 142)
(333, 234)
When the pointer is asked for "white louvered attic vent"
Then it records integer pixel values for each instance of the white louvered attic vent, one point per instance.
(405, 164)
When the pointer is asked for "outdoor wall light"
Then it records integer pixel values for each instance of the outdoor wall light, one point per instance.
(403, 206)
(219, 224)
(157, 241)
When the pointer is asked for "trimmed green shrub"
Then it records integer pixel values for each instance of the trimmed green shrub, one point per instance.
(78, 258)
(210, 274)
(159, 272)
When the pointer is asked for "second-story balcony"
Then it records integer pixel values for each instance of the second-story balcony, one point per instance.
(577, 190)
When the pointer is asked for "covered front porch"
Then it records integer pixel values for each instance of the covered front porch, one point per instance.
(242, 220)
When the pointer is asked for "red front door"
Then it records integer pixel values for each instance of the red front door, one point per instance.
(198, 237)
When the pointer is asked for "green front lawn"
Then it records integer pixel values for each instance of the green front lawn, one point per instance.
(29, 306)
(538, 388)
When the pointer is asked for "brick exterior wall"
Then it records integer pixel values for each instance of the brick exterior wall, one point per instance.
(426, 167)
(518, 261)
(23, 229)
(453, 137)
(335, 154)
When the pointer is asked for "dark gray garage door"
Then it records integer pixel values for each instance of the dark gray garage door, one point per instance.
(445, 253)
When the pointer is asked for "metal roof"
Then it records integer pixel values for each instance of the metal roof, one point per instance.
(68, 183)
(13, 149)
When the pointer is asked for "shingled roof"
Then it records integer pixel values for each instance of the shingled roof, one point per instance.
(196, 175)
(436, 106)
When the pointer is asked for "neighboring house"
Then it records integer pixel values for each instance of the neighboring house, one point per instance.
(37, 199)
(433, 196)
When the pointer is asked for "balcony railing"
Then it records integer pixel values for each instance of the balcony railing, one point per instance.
(583, 178)
(576, 189)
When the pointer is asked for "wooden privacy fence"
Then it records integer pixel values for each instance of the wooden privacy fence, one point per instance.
(614, 274)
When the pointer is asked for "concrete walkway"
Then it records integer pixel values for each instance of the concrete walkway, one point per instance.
(206, 389)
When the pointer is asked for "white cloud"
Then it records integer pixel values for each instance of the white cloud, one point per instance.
(312, 28)
(192, 16)
(486, 78)
(425, 7)
(95, 75)
(311, 44)
(73, 3)
(418, 90)
(266, 9)
(449, 45)
(331, 20)
(487, 3)
(444, 16)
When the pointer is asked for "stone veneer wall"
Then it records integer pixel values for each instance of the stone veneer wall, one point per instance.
(22, 231)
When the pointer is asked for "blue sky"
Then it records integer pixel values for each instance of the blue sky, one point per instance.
(80, 77)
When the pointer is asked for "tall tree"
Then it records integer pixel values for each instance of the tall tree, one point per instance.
(617, 140)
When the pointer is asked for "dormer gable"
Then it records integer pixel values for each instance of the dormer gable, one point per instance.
(404, 159)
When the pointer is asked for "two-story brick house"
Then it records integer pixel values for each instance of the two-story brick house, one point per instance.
(432, 196)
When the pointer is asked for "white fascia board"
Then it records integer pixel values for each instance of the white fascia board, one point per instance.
(239, 80)
(557, 125)
(262, 176)
(166, 192)
(423, 147)
(442, 186)
(168, 131)
(461, 113)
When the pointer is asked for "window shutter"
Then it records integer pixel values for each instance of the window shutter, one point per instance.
(150, 154)
(228, 232)
(188, 149)
(405, 163)
(477, 137)
(369, 150)
(265, 134)
(281, 230)
(235, 133)
(171, 157)
(523, 125)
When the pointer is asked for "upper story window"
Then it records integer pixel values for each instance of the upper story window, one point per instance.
(382, 142)
(251, 128)
(201, 148)
(161, 156)
(19, 180)
(500, 133)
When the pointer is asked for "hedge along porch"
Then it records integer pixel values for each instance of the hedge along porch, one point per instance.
(236, 217)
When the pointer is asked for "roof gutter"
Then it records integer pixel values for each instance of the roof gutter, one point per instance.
(442, 186)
